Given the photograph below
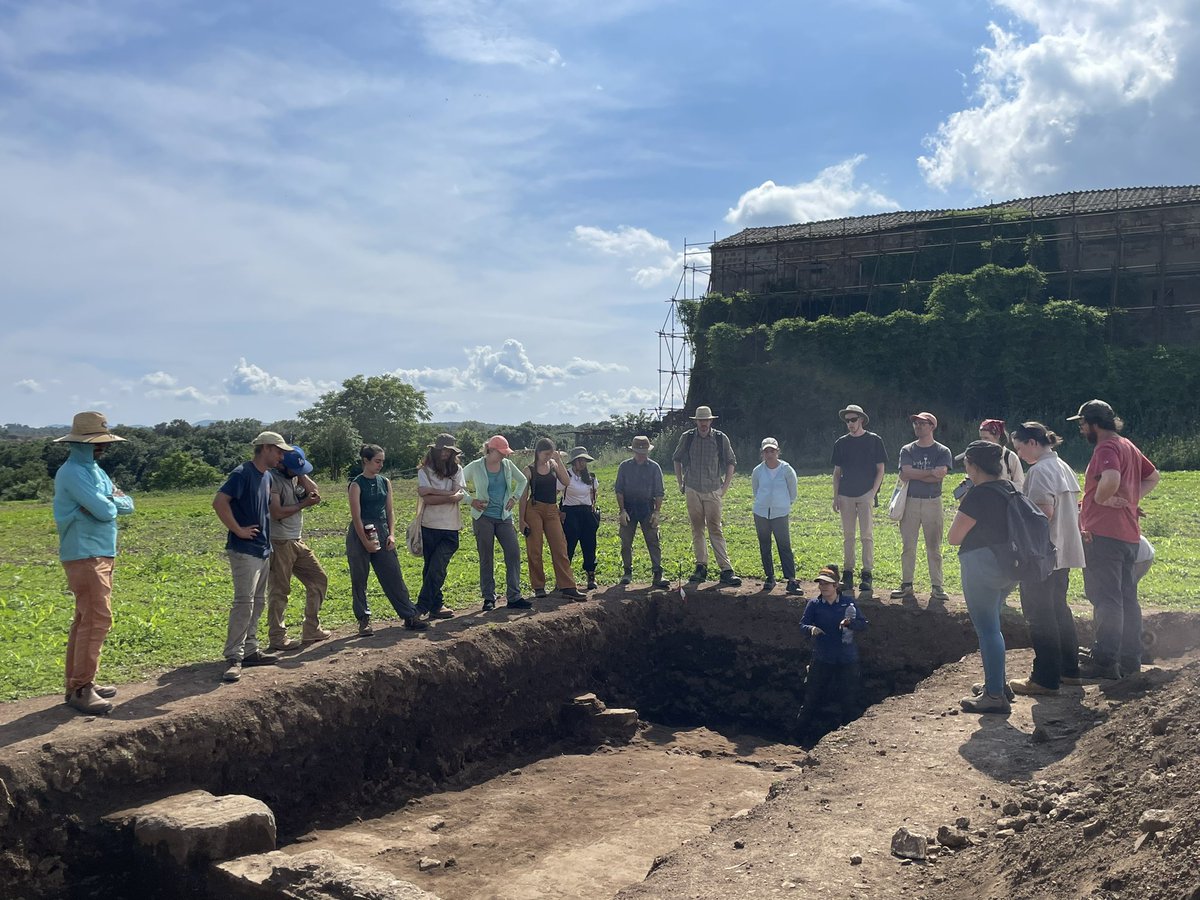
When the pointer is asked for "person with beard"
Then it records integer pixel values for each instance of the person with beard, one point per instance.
(1117, 478)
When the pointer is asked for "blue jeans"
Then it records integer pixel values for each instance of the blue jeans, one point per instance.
(1111, 587)
(985, 586)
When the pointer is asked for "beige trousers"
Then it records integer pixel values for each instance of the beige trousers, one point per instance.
(290, 558)
(857, 511)
(921, 516)
(704, 511)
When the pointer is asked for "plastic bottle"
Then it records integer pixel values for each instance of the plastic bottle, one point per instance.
(847, 634)
(372, 536)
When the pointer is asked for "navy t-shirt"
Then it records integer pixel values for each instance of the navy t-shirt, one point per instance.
(249, 492)
(858, 458)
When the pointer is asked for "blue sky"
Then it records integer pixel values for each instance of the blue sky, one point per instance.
(217, 209)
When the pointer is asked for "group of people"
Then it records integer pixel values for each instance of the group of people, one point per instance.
(554, 501)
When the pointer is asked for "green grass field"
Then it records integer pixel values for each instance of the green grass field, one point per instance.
(172, 586)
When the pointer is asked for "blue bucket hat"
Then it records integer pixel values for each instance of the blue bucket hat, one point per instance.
(296, 462)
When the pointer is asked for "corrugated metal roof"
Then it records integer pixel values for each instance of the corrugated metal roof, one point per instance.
(1052, 205)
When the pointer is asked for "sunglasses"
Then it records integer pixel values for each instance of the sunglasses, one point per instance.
(853, 419)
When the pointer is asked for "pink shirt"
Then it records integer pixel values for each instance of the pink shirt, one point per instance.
(1106, 521)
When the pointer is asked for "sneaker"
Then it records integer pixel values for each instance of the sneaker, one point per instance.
(986, 703)
(793, 587)
(659, 582)
(414, 623)
(233, 671)
(937, 593)
(489, 605)
(288, 644)
(85, 699)
(728, 578)
(977, 690)
(442, 613)
(1030, 688)
(701, 574)
(1093, 670)
(364, 627)
(321, 634)
(769, 584)
(904, 592)
(106, 691)
(574, 594)
(540, 593)
(627, 578)
(258, 658)
(519, 603)
(591, 583)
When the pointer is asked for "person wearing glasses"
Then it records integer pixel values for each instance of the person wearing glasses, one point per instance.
(859, 460)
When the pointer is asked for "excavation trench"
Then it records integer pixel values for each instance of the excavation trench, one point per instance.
(386, 731)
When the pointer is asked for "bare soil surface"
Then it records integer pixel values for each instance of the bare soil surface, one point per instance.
(572, 826)
(403, 727)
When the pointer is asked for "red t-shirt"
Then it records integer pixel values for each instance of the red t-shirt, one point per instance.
(1106, 521)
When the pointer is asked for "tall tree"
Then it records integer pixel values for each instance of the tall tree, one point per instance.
(383, 409)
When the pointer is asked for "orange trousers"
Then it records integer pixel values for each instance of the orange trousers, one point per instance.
(90, 580)
(543, 519)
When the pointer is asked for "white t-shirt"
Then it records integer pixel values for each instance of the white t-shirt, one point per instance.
(1051, 482)
(577, 492)
(444, 516)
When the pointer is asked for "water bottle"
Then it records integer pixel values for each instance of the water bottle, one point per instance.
(372, 536)
(847, 634)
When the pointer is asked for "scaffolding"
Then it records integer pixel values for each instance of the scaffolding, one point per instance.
(675, 350)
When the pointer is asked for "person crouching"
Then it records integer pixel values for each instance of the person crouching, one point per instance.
(833, 674)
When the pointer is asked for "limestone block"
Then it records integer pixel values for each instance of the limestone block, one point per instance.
(311, 875)
(197, 826)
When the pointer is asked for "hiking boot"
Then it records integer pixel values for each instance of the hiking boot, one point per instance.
(258, 658)
(287, 645)
(574, 594)
(442, 613)
(489, 605)
(769, 584)
(793, 587)
(659, 582)
(321, 634)
(701, 574)
(414, 623)
(233, 671)
(936, 593)
(847, 585)
(728, 578)
(627, 578)
(591, 581)
(1093, 670)
(904, 592)
(106, 691)
(1126, 668)
(540, 593)
(364, 627)
(519, 603)
(977, 690)
(1030, 688)
(85, 699)
(866, 584)
(986, 703)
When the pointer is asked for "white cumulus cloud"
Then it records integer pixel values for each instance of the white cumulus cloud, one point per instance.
(507, 368)
(1079, 98)
(593, 406)
(29, 386)
(651, 258)
(834, 193)
(159, 379)
(187, 394)
(249, 379)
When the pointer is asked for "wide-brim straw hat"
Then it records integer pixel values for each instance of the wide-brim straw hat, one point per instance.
(580, 453)
(703, 413)
(89, 428)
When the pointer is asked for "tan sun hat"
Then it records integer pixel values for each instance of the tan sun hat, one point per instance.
(89, 428)
(641, 444)
(271, 439)
(856, 410)
(703, 412)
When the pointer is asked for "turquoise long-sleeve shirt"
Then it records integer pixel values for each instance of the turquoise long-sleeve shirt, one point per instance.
(85, 510)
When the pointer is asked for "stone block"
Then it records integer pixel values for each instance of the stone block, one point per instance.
(197, 827)
(909, 844)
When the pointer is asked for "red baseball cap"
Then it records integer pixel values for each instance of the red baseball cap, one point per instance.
(925, 417)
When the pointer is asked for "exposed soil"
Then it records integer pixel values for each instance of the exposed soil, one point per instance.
(355, 729)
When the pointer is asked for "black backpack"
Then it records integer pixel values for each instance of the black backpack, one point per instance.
(1029, 555)
(690, 435)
